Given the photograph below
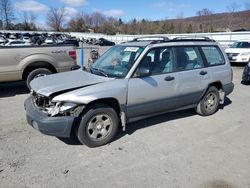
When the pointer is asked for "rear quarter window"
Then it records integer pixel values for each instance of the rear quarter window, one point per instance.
(213, 55)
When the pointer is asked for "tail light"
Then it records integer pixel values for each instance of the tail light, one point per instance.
(72, 54)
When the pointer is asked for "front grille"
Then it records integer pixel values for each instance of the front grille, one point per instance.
(232, 54)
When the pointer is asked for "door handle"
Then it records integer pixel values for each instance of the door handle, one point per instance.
(203, 73)
(169, 78)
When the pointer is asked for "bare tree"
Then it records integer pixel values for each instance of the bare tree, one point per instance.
(204, 12)
(77, 23)
(98, 19)
(29, 20)
(7, 13)
(232, 8)
(56, 18)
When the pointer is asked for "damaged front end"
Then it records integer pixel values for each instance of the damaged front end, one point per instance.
(51, 118)
(47, 106)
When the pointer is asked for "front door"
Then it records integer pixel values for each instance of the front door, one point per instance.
(157, 91)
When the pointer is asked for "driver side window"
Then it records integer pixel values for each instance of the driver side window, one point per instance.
(158, 61)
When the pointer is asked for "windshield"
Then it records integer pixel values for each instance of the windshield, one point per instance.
(117, 61)
(241, 45)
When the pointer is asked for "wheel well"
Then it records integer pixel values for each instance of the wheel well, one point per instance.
(113, 103)
(37, 65)
(218, 85)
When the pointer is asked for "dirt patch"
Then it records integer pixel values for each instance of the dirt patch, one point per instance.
(218, 184)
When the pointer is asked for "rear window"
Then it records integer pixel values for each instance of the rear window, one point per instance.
(213, 55)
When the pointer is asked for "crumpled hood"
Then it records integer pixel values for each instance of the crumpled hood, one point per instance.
(65, 81)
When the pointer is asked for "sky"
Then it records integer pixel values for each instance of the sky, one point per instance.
(126, 9)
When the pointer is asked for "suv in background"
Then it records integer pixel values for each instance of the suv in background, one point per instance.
(239, 52)
(131, 81)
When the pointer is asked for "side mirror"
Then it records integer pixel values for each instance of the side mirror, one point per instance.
(142, 72)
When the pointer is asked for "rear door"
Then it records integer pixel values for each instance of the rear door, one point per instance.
(193, 76)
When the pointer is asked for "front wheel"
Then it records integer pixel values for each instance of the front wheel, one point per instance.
(209, 104)
(98, 126)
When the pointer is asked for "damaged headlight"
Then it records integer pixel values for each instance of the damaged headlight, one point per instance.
(60, 108)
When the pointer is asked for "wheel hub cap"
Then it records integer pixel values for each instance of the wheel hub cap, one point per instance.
(99, 127)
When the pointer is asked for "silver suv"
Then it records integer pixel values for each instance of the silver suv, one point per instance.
(131, 81)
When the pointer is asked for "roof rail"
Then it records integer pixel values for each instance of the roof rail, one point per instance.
(193, 38)
(151, 38)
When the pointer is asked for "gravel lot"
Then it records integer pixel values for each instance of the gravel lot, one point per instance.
(174, 150)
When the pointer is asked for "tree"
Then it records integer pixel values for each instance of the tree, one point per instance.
(204, 12)
(56, 18)
(120, 22)
(172, 28)
(232, 8)
(28, 21)
(98, 19)
(7, 13)
(77, 24)
(190, 28)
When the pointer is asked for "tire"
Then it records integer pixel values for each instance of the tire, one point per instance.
(98, 126)
(209, 104)
(35, 74)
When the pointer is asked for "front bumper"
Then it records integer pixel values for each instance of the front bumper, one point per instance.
(246, 74)
(55, 126)
(239, 59)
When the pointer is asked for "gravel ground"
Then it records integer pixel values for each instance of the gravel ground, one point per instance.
(175, 150)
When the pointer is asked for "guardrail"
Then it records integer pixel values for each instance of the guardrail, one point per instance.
(224, 38)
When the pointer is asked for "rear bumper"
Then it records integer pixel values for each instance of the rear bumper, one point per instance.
(55, 126)
(228, 88)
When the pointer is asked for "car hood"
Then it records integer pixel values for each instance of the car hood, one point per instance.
(64, 82)
(237, 50)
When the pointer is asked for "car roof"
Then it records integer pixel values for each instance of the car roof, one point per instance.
(162, 40)
(139, 44)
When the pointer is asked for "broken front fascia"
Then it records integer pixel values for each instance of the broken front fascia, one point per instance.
(60, 108)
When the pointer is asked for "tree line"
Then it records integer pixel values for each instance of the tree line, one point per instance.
(204, 21)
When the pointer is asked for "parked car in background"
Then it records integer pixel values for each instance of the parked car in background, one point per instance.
(91, 41)
(49, 40)
(131, 81)
(12, 38)
(18, 43)
(70, 41)
(104, 42)
(28, 62)
(26, 39)
(239, 52)
(3, 40)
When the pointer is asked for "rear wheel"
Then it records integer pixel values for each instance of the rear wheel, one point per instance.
(98, 126)
(35, 74)
(209, 104)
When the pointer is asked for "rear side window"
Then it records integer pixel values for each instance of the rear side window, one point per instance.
(213, 55)
(188, 58)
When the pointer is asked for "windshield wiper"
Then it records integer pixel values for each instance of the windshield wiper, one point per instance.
(101, 71)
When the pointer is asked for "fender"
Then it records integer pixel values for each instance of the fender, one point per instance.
(36, 58)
